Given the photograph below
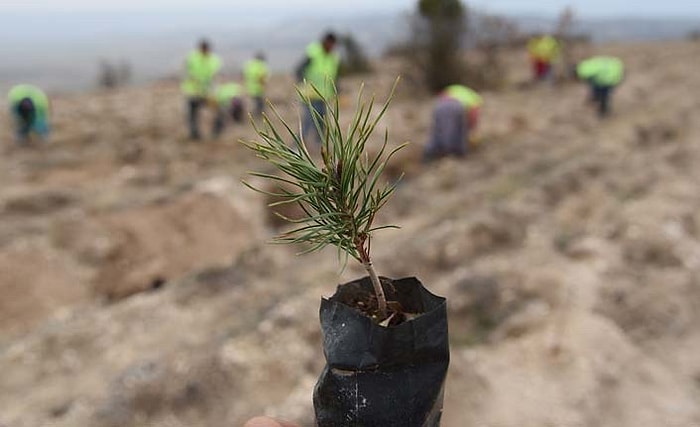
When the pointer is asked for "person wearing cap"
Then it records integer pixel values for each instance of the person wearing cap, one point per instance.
(201, 67)
(455, 115)
(29, 107)
(255, 74)
(229, 106)
(318, 74)
(603, 74)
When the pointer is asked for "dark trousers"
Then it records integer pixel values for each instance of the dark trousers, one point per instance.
(258, 106)
(601, 97)
(317, 110)
(235, 111)
(219, 123)
(194, 106)
(450, 132)
(26, 125)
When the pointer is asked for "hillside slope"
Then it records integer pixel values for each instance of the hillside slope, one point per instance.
(138, 289)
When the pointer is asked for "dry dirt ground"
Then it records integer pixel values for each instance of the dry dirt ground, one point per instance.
(137, 288)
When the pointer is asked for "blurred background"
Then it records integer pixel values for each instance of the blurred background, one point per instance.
(61, 44)
(137, 285)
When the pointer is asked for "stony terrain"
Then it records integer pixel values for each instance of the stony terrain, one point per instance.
(138, 290)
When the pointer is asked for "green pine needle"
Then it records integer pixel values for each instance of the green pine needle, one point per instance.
(341, 196)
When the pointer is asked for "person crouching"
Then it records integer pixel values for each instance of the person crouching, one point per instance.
(229, 105)
(30, 108)
(455, 116)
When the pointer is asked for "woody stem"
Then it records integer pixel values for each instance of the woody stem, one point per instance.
(376, 283)
(381, 298)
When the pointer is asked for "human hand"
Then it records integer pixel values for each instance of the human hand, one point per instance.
(267, 422)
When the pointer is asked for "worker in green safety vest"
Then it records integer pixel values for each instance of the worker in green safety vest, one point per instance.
(544, 51)
(228, 99)
(201, 66)
(255, 74)
(455, 116)
(603, 74)
(318, 76)
(29, 107)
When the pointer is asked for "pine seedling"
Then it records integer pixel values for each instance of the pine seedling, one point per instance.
(340, 194)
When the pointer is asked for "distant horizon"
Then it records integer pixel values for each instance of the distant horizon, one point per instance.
(64, 48)
(266, 19)
(253, 19)
(272, 10)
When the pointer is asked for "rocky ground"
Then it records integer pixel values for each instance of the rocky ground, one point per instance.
(138, 289)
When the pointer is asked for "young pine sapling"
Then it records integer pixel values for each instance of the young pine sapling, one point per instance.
(341, 193)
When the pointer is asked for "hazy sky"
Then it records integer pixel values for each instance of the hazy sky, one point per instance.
(275, 9)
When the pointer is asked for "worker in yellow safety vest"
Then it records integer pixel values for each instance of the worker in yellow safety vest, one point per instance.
(603, 74)
(201, 66)
(544, 51)
(318, 75)
(29, 107)
(255, 74)
(229, 104)
(455, 116)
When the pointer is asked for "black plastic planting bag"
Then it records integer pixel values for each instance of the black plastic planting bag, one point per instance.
(383, 376)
